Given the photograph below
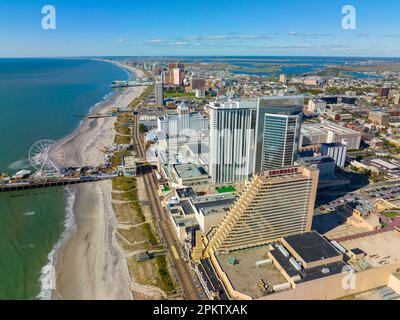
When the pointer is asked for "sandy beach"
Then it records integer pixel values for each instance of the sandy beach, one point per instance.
(91, 265)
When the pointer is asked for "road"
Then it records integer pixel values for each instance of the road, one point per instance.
(183, 274)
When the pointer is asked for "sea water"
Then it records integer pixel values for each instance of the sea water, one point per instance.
(40, 99)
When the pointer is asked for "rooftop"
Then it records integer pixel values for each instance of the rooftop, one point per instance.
(198, 148)
(305, 275)
(380, 249)
(189, 170)
(282, 104)
(245, 276)
(334, 226)
(212, 204)
(185, 193)
(324, 128)
(316, 160)
(248, 103)
(187, 223)
(312, 247)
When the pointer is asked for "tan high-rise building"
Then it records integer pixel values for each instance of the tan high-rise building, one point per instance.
(276, 204)
(282, 78)
(397, 98)
(175, 74)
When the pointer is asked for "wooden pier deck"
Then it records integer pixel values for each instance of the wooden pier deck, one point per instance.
(47, 184)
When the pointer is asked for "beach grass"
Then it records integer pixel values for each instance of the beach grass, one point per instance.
(122, 139)
(136, 234)
(149, 90)
(141, 236)
(167, 284)
(116, 159)
(125, 214)
(391, 214)
(123, 118)
(124, 183)
(123, 130)
(150, 236)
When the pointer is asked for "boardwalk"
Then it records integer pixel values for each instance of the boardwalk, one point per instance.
(48, 184)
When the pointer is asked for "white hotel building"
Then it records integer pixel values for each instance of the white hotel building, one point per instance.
(182, 123)
(232, 140)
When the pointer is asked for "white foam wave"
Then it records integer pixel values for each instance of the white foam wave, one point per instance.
(31, 213)
(29, 246)
(48, 275)
(20, 164)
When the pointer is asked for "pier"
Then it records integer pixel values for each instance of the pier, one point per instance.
(48, 184)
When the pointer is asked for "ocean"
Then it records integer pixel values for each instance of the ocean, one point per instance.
(40, 99)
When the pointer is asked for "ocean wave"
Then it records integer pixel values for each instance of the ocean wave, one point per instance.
(20, 164)
(48, 274)
(30, 213)
(29, 246)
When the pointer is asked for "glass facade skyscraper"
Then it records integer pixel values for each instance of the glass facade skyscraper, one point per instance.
(277, 132)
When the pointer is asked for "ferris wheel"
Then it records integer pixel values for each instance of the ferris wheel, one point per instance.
(46, 156)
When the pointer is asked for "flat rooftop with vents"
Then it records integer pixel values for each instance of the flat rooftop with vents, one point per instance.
(190, 175)
(189, 170)
(311, 249)
(210, 209)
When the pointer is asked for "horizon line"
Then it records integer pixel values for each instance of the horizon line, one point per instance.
(195, 56)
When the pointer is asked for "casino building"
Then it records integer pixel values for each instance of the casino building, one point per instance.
(276, 204)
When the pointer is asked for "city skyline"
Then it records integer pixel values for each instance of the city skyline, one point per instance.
(178, 151)
(177, 28)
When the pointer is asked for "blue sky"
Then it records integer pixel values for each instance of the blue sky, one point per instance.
(199, 27)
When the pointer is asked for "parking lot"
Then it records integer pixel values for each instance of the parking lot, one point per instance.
(328, 204)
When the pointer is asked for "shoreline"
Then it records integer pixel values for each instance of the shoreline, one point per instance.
(89, 264)
(112, 98)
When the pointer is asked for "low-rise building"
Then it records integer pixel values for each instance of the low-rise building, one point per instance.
(197, 83)
(328, 132)
(210, 209)
(200, 93)
(379, 118)
(317, 106)
(128, 166)
(183, 122)
(377, 143)
(190, 175)
(362, 216)
(182, 219)
(336, 151)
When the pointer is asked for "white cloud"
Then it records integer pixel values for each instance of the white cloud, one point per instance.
(156, 41)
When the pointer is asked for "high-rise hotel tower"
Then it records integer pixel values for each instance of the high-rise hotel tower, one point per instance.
(277, 131)
(232, 137)
(276, 204)
(248, 136)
